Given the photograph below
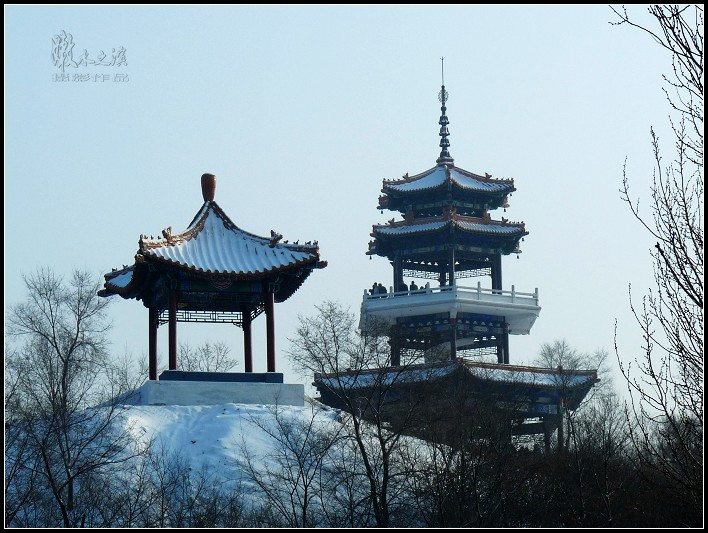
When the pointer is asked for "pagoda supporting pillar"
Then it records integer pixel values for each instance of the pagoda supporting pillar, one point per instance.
(173, 330)
(451, 266)
(453, 338)
(503, 349)
(496, 272)
(270, 331)
(503, 346)
(561, 428)
(152, 343)
(547, 430)
(247, 345)
(395, 348)
(397, 273)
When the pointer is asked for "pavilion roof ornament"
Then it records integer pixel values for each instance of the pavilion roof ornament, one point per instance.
(445, 157)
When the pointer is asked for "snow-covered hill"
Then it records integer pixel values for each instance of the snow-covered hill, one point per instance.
(217, 435)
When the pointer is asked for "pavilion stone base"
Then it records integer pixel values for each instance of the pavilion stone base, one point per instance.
(212, 388)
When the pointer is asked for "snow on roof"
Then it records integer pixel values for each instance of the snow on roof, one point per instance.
(398, 375)
(435, 177)
(476, 227)
(540, 376)
(546, 377)
(412, 228)
(213, 243)
(488, 228)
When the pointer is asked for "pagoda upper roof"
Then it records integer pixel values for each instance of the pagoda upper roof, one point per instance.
(442, 175)
(213, 244)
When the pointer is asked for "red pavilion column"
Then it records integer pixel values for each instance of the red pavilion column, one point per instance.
(173, 330)
(247, 346)
(270, 331)
(152, 342)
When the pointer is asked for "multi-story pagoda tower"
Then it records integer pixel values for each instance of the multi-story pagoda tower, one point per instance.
(446, 234)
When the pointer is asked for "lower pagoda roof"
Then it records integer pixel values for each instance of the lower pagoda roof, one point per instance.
(499, 380)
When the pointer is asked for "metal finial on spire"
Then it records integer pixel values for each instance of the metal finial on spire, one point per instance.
(445, 157)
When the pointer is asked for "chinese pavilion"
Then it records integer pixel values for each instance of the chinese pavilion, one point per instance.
(446, 234)
(214, 272)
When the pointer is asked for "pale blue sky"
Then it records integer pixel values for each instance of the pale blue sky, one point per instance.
(301, 112)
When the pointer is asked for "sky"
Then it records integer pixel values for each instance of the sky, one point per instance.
(301, 112)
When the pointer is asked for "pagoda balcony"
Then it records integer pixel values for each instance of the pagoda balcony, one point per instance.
(519, 309)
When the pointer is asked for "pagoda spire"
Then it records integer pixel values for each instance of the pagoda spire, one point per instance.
(445, 157)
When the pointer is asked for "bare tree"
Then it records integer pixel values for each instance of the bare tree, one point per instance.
(208, 357)
(666, 382)
(468, 471)
(560, 355)
(357, 367)
(61, 409)
(293, 474)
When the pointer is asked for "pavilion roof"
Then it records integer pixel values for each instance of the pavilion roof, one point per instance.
(213, 244)
(213, 248)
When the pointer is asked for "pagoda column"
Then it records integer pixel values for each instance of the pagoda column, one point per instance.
(453, 338)
(247, 346)
(397, 273)
(270, 331)
(451, 266)
(173, 330)
(496, 269)
(152, 343)
(395, 348)
(547, 431)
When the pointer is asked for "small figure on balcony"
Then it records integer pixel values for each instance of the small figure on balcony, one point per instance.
(413, 286)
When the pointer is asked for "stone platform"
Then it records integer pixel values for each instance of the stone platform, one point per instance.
(212, 388)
